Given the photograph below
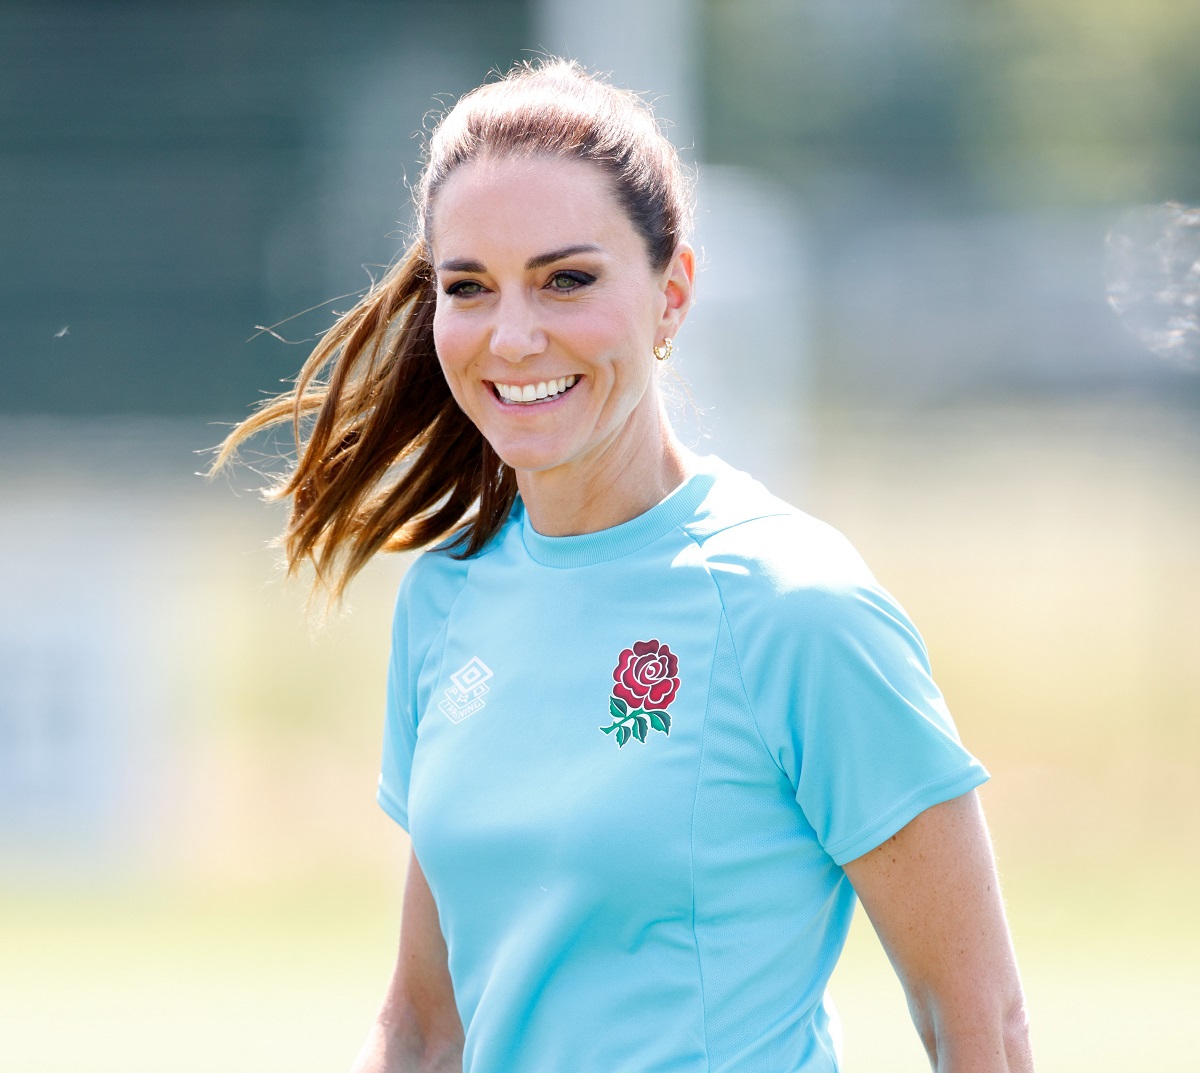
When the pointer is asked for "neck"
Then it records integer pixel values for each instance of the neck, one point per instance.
(619, 481)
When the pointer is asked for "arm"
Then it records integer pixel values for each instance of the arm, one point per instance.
(932, 894)
(417, 1030)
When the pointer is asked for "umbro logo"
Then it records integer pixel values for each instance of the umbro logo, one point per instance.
(466, 696)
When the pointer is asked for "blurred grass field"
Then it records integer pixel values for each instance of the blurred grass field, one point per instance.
(1050, 556)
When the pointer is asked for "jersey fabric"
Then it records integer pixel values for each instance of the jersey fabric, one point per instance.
(632, 764)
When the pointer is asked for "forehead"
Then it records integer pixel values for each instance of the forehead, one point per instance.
(527, 205)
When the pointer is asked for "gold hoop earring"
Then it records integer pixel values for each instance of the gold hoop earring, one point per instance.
(663, 351)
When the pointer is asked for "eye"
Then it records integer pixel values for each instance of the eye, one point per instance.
(569, 281)
(465, 288)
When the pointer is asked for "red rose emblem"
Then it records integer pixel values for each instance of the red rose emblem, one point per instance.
(647, 675)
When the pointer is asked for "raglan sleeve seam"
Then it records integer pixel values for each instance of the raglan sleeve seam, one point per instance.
(386, 798)
(737, 660)
(443, 633)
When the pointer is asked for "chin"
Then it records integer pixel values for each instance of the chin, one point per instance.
(532, 457)
(530, 461)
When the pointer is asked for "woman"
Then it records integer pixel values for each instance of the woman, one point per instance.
(650, 728)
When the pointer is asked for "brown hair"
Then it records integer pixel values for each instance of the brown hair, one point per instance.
(386, 461)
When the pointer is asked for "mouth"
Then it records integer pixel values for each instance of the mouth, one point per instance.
(533, 394)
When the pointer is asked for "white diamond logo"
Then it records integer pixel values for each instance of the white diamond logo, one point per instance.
(466, 695)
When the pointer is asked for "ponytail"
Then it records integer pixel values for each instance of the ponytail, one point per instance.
(385, 459)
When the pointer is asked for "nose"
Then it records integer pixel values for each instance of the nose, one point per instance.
(516, 333)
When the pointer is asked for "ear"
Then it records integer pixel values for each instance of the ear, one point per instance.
(678, 282)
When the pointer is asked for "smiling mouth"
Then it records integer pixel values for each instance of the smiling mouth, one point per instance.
(527, 394)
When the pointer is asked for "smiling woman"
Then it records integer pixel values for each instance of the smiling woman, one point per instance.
(651, 729)
(370, 397)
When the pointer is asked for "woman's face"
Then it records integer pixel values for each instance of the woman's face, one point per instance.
(548, 310)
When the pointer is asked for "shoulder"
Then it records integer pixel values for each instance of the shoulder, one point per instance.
(433, 581)
(777, 567)
(433, 569)
(742, 531)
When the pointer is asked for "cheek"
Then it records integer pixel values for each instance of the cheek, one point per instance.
(443, 336)
(454, 359)
(453, 345)
(612, 333)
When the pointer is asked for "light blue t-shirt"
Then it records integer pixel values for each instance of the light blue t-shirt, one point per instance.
(632, 764)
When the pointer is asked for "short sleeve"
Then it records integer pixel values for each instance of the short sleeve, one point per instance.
(875, 742)
(839, 683)
(400, 720)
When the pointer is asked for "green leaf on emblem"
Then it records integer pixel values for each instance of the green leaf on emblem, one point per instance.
(635, 724)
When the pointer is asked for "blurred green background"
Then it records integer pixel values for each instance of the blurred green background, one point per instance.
(902, 326)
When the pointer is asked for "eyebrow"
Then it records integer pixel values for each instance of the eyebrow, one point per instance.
(540, 261)
(558, 255)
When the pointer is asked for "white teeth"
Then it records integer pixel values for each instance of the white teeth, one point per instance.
(544, 389)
